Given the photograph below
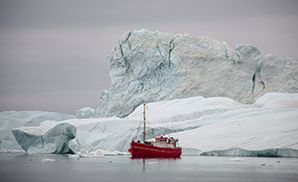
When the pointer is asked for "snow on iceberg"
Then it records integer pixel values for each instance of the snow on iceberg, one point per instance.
(278, 100)
(252, 128)
(201, 124)
(153, 66)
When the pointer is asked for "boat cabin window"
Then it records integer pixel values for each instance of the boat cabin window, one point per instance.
(166, 140)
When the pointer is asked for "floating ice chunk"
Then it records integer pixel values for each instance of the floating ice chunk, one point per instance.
(93, 154)
(236, 159)
(55, 140)
(16, 119)
(48, 160)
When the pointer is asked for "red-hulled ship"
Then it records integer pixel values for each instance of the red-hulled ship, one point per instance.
(162, 147)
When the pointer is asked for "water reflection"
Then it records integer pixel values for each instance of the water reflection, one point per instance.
(144, 163)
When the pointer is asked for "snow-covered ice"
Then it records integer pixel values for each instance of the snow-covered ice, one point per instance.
(201, 124)
(250, 128)
(85, 112)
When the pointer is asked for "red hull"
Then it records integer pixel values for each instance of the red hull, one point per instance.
(141, 150)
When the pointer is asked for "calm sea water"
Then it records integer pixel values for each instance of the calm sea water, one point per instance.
(43, 168)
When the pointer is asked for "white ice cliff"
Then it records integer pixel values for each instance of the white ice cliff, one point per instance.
(152, 66)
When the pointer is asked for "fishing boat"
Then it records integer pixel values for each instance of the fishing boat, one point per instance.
(160, 147)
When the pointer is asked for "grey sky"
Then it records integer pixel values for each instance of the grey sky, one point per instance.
(53, 53)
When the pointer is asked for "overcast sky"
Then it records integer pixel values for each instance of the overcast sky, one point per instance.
(53, 53)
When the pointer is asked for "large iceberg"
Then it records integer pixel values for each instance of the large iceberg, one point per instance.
(213, 98)
(201, 124)
(152, 66)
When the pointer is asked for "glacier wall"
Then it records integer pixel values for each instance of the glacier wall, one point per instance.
(152, 66)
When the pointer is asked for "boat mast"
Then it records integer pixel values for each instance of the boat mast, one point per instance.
(144, 117)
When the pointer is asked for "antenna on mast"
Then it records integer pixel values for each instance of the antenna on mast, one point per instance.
(144, 117)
